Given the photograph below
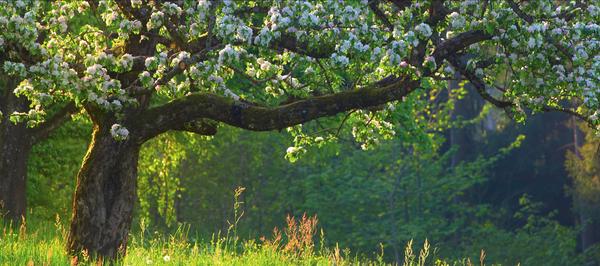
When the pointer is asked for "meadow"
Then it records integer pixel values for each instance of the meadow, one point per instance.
(39, 243)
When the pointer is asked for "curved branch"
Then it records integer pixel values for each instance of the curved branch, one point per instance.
(481, 87)
(479, 84)
(459, 42)
(201, 127)
(246, 115)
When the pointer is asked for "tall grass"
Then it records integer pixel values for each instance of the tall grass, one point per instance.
(43, 244)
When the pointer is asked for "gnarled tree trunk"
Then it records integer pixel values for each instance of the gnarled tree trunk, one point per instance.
(104, 196)
(106, 190)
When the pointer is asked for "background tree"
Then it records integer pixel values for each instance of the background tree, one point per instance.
(20, 49)
(583, 165)
(143, 68)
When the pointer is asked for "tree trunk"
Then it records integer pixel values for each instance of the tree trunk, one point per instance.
(104, 197)
(15, 145)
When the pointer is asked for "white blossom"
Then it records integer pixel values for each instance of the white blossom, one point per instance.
(119, 132)
(456, 20)
(92, 70)
(228, 53)
(149, 61)
(126, 61)
(292, 150)
(62, 21)
(594, 116)
(341, 60)
(424, 30)
(264, 64)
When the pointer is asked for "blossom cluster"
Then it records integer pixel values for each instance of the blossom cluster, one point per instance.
(273, 51)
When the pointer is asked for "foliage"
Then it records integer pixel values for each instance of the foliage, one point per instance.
(53, 166)
(584, 168)
(268, 54)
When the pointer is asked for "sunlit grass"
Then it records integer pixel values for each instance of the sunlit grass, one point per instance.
(294, 245)
(44, 244)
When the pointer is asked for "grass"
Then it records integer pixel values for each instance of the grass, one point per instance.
(42, 243)
(295, 245)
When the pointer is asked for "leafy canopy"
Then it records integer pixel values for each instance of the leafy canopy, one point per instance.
(264, 65)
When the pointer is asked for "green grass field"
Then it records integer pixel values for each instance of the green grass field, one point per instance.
(43, 244)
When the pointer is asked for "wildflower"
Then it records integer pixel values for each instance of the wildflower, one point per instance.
(167, 258)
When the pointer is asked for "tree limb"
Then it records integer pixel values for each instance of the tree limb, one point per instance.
(479, 84)
(481, 87)
(246, 115)
(459, 42)
(373, 5)
(201, 127)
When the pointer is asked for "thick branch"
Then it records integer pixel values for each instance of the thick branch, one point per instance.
(252, 117)
(201, 127)
(459, 42)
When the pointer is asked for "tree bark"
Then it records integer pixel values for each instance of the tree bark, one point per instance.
(104, 197)
(15, 146)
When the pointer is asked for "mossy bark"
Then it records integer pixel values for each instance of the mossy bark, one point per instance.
(105, 196)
